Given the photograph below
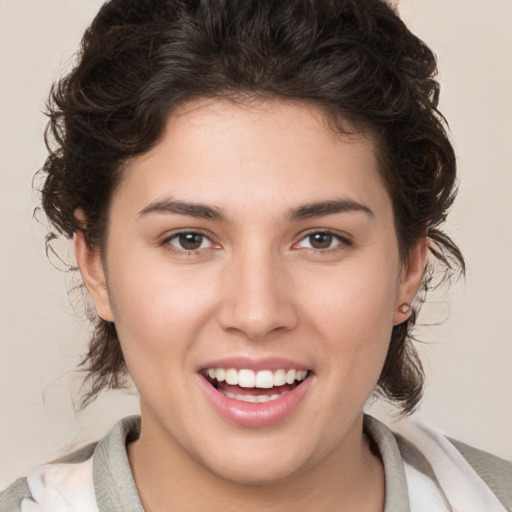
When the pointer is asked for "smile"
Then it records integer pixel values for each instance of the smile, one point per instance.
(243, 384)
(258, 397)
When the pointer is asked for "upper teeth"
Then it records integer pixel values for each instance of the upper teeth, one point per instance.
(264, 379)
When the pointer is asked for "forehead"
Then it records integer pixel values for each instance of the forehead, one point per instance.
(274, 154)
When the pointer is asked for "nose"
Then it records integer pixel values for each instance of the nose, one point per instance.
(258, 298)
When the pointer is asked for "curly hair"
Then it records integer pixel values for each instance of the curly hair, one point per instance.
(355, 60)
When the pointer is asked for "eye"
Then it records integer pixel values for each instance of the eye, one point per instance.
(322, 241)
(188, 241)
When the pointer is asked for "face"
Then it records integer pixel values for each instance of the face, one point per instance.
(253, 274)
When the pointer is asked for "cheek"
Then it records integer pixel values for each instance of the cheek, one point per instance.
(356, 299)
(158, 313)
(155, 332)
(353, 312)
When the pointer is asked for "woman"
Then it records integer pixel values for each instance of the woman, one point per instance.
(256, 192)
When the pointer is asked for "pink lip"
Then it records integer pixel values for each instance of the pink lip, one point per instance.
(254, 364)
(254, 415)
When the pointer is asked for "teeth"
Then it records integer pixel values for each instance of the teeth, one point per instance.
(232, 377)
(290, 376)
(246, 378)
(264, 379)
(279, 378)
(252, 398)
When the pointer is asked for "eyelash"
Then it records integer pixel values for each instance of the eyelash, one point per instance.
(343, 242)
(167, 242)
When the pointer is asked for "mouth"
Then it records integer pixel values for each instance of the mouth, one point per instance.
(251, 386)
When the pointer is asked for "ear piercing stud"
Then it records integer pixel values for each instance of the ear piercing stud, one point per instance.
(404, 308)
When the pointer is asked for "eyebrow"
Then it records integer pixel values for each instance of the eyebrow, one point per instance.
(307, 211)
(330, 207)
(198, 210)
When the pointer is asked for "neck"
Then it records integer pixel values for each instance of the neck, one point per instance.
(166, 475)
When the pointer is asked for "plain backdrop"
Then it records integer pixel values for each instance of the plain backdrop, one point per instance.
(468, 357)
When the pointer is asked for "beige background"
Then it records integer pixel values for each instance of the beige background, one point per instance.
(468, 359)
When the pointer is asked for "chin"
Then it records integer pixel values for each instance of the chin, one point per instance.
(265, 461)
(251, 473)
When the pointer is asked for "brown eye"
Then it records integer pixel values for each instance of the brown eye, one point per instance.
(190, 241)
(320, 240)
(324, 241)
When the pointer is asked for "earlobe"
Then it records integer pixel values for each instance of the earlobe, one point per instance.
(410, 281)
(93, 274)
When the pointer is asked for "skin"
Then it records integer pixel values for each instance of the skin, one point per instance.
(255, 288)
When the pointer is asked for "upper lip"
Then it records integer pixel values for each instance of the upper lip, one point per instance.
(255, 364)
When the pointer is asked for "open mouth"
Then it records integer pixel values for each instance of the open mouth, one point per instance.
(254, 386)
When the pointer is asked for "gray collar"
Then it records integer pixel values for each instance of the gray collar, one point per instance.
(397, 497)
(113, 479)
(116, 490)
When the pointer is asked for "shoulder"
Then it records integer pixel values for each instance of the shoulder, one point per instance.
(494, 471)
(97, 477)
(53, 486)
(460, 470)
(11, 498)
(66, 484)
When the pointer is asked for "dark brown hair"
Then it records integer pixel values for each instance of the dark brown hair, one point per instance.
(354, 59)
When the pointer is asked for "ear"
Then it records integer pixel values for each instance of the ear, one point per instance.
(410, 280)
(93, 274)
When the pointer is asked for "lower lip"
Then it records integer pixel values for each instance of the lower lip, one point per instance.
(255, 415)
